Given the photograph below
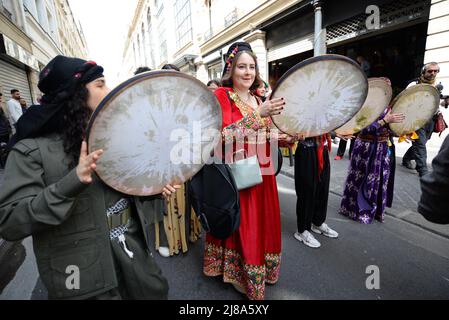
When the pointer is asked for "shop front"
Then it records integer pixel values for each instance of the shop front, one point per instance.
(395, 49)
(16, 64)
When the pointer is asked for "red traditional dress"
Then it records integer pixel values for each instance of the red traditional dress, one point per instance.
(251, 257)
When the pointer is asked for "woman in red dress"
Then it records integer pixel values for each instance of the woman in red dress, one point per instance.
(251, 257)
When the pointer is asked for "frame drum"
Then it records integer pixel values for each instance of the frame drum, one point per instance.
(379, 97)
(321, 94)
(419, 104)
(157, 128)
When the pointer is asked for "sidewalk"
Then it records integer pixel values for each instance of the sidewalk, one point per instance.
(407, 192)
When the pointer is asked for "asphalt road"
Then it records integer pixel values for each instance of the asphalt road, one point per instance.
(413, 263)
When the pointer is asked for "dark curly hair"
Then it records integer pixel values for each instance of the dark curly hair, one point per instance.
(76, 115)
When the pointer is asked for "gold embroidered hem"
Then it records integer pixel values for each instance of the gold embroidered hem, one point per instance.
(229, 263)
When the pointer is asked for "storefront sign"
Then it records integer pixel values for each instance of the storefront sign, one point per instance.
(17, 52)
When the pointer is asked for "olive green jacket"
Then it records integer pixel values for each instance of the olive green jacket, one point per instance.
(67, 219)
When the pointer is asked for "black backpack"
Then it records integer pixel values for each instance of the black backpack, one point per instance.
(215, 198)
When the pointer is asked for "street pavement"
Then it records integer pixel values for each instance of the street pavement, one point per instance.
(407, 191)
(411, 254)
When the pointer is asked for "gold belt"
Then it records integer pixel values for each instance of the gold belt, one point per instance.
(372, 138)
(120, 219)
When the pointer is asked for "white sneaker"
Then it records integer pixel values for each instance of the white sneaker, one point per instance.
(164, 252)
(325, 231)
(239, 289)
(308, 239)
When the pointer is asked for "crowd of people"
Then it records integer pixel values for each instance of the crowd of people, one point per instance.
(51, 192)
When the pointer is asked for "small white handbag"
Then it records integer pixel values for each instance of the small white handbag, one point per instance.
(246, 172)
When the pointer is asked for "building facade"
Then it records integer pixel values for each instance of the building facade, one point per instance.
(174, 31)
(163, 32)
(32, 33)
(17, 62)
(71, 37)
(195, 34)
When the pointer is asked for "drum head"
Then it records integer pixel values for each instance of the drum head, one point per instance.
(379, 96)
(418, 103)
(322, 94)
(157, 128)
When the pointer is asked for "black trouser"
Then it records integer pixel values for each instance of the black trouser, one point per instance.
(342, 147)
(312, 191)
(3, 150)
(4, 138)
(418, 151)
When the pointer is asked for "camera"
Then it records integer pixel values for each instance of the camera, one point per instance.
(443, 97)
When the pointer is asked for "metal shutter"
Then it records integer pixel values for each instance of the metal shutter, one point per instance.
(392, 13)
(12, 77)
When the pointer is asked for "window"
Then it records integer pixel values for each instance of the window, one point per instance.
(162, 36)
(215, 71)
(41, 17)
(51, 24)
(30, 5)
(135, 54)
(7, 8)
(183, 23)
(144, 45)
(139, 50)
(150, 39)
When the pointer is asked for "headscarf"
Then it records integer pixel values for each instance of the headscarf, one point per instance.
(232, 53)
(58, 81)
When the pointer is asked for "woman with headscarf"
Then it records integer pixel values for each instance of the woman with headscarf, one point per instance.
(370, 183)
(90, 241)
(251, 257)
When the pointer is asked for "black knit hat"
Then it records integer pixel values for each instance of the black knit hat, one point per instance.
(58, 81)
(61, 75)
(232, 52)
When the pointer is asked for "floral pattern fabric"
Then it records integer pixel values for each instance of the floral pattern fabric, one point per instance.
(251, 257)
(367, 186)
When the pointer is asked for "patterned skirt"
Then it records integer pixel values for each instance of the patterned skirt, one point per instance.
(366, 189)
(251, 257)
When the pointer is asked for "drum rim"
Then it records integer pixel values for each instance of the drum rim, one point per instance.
(370, 80)
(403, 93)
(313, 60)
(119, 89)
(126, 84)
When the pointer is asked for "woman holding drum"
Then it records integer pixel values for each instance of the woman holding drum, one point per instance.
(251, 257)
(90, 241)
(370, 183)
(322, 93)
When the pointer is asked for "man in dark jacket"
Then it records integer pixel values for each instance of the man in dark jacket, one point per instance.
(434, 204)
(418, 151)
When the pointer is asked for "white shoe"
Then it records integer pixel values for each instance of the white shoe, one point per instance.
(239, 289)
(308, 239)
(325, 231)
(164, 252)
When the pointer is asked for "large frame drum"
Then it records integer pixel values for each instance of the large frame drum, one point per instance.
(379, 97)
(419, 104)
(322, 94)
(157, 128)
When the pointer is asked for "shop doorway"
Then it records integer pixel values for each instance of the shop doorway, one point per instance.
(397, 55)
